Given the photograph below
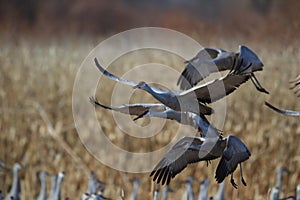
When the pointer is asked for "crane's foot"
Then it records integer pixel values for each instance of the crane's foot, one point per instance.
(233, 183)
(244, 182)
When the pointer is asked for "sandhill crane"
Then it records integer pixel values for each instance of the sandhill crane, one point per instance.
(210, 60)
(221, 192)
(43, 191)
(186, 150)
(136, 184)
(132, 109)
(94, 184)
(155, 194)
(57, 192)
(192, 100)
(15, 188)
(165, 191)
(160, 111)
(53, 187)
(275, 192)
(188, 194)
(203, 191)
(207, 61)
(183, 152)
(194, 149)
(298, 192)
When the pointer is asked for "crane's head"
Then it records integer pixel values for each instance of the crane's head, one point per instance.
(141, 85)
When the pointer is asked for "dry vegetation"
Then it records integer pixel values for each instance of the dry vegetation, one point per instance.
(43, 72)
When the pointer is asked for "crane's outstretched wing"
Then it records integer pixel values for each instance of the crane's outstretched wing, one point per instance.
(176, 159)
(217, 89)
(284, 112)
(112, 76)
(131, 109)
(235, 152)
(246, 62)
(122, 80)
(207, 61)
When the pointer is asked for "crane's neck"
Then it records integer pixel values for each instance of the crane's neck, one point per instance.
(15, 186)
(203, 191)
(42, 194)
(164, 195)
(279, 179)
(155, 196)
(135, 189)
(220, 193)
(53, 187)
(92, 185)
(166, 97)
(189, 191)
(58, 186)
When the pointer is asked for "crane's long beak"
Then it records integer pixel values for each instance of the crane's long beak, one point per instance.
(141, 115)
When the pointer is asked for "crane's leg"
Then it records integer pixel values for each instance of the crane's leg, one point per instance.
(208, 162)
(257, 84)
(241, 171)
(232, 181)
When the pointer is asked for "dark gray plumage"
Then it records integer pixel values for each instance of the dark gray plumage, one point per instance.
(210, 60)
(184, 152)
(207, 61)
(189, 150)
(234, 154)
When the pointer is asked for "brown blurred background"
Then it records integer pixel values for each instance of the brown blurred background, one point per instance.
(248, 18)
(43, 44)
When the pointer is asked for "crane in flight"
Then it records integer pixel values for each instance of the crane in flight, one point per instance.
(192, 100)
(210, 60)
(211, 145)
(142, 110)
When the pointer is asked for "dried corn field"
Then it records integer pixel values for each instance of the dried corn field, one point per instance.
(37, 80)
